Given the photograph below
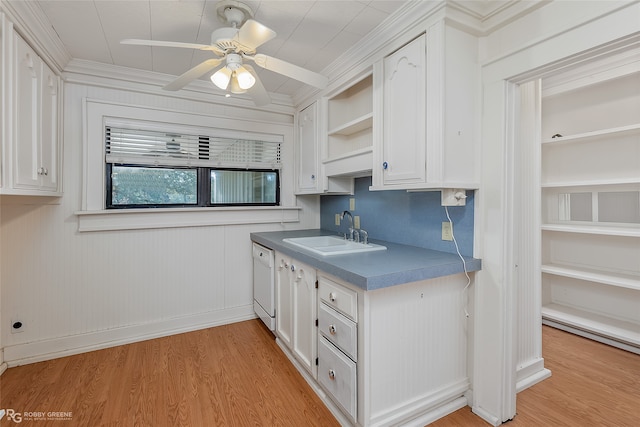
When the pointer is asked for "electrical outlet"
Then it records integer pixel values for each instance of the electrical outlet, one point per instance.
(356, 221)
(352, 204)
(337, 219)
(447, 232)
(17, 326)
(453, 197)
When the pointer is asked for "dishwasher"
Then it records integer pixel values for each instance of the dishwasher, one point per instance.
(264, 303)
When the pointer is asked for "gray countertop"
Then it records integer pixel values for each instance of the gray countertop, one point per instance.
(372, 270)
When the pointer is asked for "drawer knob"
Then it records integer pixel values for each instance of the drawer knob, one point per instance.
(332, 374)
(332, 329)
(332, 297)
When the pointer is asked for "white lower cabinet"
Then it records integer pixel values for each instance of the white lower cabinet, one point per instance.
(338, 344)
(296, 309)
(388, 356)
(337, 374)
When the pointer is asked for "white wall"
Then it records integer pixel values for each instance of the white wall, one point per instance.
(76, 291)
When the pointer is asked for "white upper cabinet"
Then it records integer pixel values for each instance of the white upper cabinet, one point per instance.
(307, 155)
(404, 99)
(30, 155)
(425, 127)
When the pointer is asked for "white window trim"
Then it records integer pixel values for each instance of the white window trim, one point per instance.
(94, 217)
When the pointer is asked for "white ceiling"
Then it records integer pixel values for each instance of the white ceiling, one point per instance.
(311, 33)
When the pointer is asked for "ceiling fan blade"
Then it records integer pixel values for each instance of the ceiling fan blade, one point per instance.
(290, 70)
(194, 73)
(253, 34)
(257, 92)
(159, 43)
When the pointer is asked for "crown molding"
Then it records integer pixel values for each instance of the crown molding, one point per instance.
(110, 76)
(477, 17)
(31, 23)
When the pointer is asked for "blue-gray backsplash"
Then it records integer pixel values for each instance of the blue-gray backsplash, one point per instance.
(401, 217)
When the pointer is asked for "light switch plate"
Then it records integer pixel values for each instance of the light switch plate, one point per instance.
(352, 204)
(337, 220)
(356, 221)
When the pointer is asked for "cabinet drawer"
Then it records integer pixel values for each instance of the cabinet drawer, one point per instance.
(337, 374)
(336, 296)
(339, 330)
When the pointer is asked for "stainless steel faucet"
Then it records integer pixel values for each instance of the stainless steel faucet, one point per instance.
(351, 229)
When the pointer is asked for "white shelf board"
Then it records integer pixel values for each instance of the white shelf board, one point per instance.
(356, 163)
(591, 183)
(615, 329)
(582, 137)
(605, 278)
(353, 126)
(593, 229)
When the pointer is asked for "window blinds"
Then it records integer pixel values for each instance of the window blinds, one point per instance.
(156, 148)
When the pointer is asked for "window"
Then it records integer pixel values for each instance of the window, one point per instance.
(150, 168)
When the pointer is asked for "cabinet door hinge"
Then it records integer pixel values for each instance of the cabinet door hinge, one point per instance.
(316, 284)
(316, 361)
(316, 323)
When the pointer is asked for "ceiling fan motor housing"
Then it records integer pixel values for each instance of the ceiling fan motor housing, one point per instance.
(223, 38)
(234, 61)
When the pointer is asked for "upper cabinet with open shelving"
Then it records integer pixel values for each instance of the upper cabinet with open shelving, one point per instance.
(349, 129)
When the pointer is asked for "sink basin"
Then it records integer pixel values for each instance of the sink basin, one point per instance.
(332, 245)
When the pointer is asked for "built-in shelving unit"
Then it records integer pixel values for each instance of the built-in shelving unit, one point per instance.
(349, 144)
(590, 188)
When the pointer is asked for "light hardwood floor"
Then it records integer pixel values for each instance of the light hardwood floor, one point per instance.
(235, 375)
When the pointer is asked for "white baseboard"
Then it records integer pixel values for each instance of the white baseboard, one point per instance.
(530, 374)
(38, 351)
(415, 415)
(494, 421)
(3, 367)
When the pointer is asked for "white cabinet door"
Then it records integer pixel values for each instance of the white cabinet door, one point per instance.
(49, 129)
(296, 309)
(35, 121)
(284, 303)
(304, 314)
(307, 154)
(28, 74)
(403, 152)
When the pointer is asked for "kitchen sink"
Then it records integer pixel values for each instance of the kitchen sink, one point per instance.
(333, 245)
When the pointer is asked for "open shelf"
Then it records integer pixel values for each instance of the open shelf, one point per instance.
(354, 126)
(590, 183)
(618, 330)
(583, 137)
(593, 229)
(613, 279)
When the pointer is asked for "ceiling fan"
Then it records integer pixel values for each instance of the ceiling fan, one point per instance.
(232, 46)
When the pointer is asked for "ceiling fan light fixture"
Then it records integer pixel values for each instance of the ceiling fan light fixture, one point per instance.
(245, 79)
(222, 77)
(234, 87)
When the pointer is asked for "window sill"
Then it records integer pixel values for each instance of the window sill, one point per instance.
(135, 219)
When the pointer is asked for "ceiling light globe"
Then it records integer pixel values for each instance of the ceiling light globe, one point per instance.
(221, 78)
(245, 79)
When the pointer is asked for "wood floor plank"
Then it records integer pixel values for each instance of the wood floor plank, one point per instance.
(236, 375)
(232, 375)
(592, 385)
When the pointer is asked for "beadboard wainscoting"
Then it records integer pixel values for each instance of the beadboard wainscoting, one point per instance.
(78, 291)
